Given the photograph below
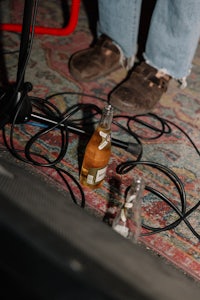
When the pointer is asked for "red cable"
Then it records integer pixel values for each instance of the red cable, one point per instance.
(75, 6)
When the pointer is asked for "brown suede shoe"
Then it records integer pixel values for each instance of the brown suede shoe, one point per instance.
(141, 91)
(94, 62)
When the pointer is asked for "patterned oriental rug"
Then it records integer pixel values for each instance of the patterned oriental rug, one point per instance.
(169, 136)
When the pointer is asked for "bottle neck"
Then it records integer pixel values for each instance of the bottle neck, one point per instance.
(106, 118)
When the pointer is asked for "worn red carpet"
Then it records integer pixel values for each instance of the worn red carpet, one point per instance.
(174, 227)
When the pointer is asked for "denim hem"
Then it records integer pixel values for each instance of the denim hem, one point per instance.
(181, 80)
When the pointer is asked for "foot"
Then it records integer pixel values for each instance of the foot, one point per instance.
(141, 91)
(95, 62)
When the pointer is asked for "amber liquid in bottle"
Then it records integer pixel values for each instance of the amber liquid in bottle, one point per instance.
(97, 153)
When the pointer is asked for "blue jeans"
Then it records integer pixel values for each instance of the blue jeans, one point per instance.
(173, 34)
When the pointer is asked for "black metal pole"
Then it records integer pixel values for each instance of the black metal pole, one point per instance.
(18, 94)
(133, 148)
(25, 40)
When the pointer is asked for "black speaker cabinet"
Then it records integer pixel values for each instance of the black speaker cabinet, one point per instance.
(53, 249)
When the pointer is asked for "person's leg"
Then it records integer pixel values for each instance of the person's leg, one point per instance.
(117, 44)
(173, 36)
(120, 21)
(172, 40)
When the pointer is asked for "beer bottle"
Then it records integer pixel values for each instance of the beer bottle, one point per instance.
(97, 152)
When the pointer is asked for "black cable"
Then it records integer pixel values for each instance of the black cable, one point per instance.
(186, 135)
(61, 172)
(165, 129)
(76, 93)
(125, 167)
(6, 52)
(182, 216)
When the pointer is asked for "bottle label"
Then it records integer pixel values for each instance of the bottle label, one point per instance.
(96, 175)
(105, 140)
(122, 229)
